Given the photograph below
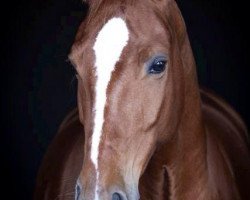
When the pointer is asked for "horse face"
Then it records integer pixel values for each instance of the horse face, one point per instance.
(129, 96)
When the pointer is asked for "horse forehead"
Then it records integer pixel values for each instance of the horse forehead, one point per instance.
(108, 47)
(110, 41)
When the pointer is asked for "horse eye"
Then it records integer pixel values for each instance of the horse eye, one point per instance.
(157, 66)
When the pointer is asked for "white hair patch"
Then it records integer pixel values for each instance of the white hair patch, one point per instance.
(108, 47)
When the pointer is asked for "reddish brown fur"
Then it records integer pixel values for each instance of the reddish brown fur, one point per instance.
(161, 134)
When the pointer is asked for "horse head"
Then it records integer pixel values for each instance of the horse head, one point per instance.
(135, 67)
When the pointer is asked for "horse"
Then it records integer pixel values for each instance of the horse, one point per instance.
(143, 128)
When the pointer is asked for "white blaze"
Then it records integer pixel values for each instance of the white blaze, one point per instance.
(110, 42)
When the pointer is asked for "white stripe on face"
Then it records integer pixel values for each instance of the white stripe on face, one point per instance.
(108, 48)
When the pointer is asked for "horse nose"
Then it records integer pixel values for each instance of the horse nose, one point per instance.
(118, 196)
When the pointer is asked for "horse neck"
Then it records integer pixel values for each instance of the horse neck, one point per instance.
(197, 165)
(187, 163)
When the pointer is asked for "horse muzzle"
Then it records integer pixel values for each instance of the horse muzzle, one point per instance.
(113, 195)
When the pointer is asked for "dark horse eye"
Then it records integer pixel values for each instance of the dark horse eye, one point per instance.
(157, 65)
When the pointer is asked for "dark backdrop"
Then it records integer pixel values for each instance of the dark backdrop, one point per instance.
(38, 87)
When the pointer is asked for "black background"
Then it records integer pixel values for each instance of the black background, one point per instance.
(38, 85)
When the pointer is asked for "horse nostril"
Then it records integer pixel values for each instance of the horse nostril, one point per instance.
(117, 196)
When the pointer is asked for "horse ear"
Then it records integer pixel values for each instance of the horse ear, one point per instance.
(176, 21)
(173, 15)
(178, 28)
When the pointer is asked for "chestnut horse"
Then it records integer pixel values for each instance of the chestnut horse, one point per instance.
(143, 128)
